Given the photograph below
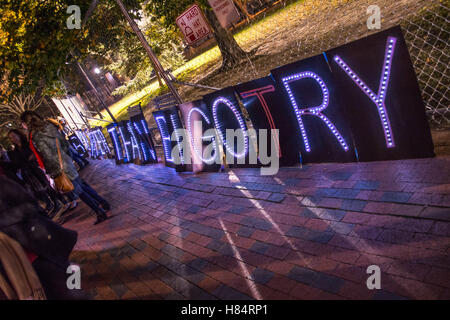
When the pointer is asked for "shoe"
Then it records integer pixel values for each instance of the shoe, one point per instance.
(100, 218)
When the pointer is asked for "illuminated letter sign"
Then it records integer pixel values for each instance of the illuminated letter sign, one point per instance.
(116, 141)
(168, 122)
(379, 98)
(203, 141)
(259, 92)
(77, 145)
(128, 146)
(84, 140)
(376, 84)
(315, 111)
(144, 139)
(222, 129)
(231, 127)
(308, 87)
(261, 99)
(99, 145)
(134, 144)
(176, 125)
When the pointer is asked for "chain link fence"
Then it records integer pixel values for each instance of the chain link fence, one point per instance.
(427, 34)
(282, 32)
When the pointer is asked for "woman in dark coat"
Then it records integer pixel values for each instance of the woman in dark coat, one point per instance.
(48, 245)
(24, 161)
(46, 138)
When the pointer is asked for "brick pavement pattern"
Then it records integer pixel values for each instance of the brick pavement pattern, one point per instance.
(306, 233)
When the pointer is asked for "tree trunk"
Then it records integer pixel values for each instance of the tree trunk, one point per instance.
(232, 54)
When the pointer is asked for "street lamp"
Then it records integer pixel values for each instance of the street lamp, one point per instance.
(97, 70)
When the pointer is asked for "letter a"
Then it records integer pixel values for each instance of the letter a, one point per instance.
(374, 281)
(74, 20)
(74, 280)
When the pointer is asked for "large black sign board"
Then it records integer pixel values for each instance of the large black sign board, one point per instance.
(264, 106)
(144, 139)
(117, 143)
(77, 145)
(130, 150)
(168, 120)
(204, 147)
(227, 115)
(99, 145)
(308, 87)
(377, 85)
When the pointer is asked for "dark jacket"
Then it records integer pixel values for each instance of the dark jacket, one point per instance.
(20, 219)
(45, 142)
(23, 159)
(9, 169)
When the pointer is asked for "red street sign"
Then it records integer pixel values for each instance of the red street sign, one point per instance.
(193, 25)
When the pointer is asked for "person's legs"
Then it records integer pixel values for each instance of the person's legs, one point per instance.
(80, 191)
(82, 159)
(77, 158)
(89, 190)
(72, 199)
(84, 196)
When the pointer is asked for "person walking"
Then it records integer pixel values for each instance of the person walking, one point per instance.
(64, 131)
(46, 139)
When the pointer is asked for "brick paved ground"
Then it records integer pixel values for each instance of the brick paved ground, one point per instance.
(307, 233)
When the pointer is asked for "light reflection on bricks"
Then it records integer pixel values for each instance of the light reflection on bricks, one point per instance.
(306, 233)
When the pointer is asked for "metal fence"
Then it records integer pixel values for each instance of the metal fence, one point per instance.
(427, 34)
(293, 30)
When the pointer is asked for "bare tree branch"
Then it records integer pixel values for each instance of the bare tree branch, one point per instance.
(21, 103)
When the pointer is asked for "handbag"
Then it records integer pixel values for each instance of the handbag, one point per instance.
(62, 183)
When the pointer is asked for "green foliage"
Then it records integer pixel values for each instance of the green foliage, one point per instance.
(35, 41)
(130, 59)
